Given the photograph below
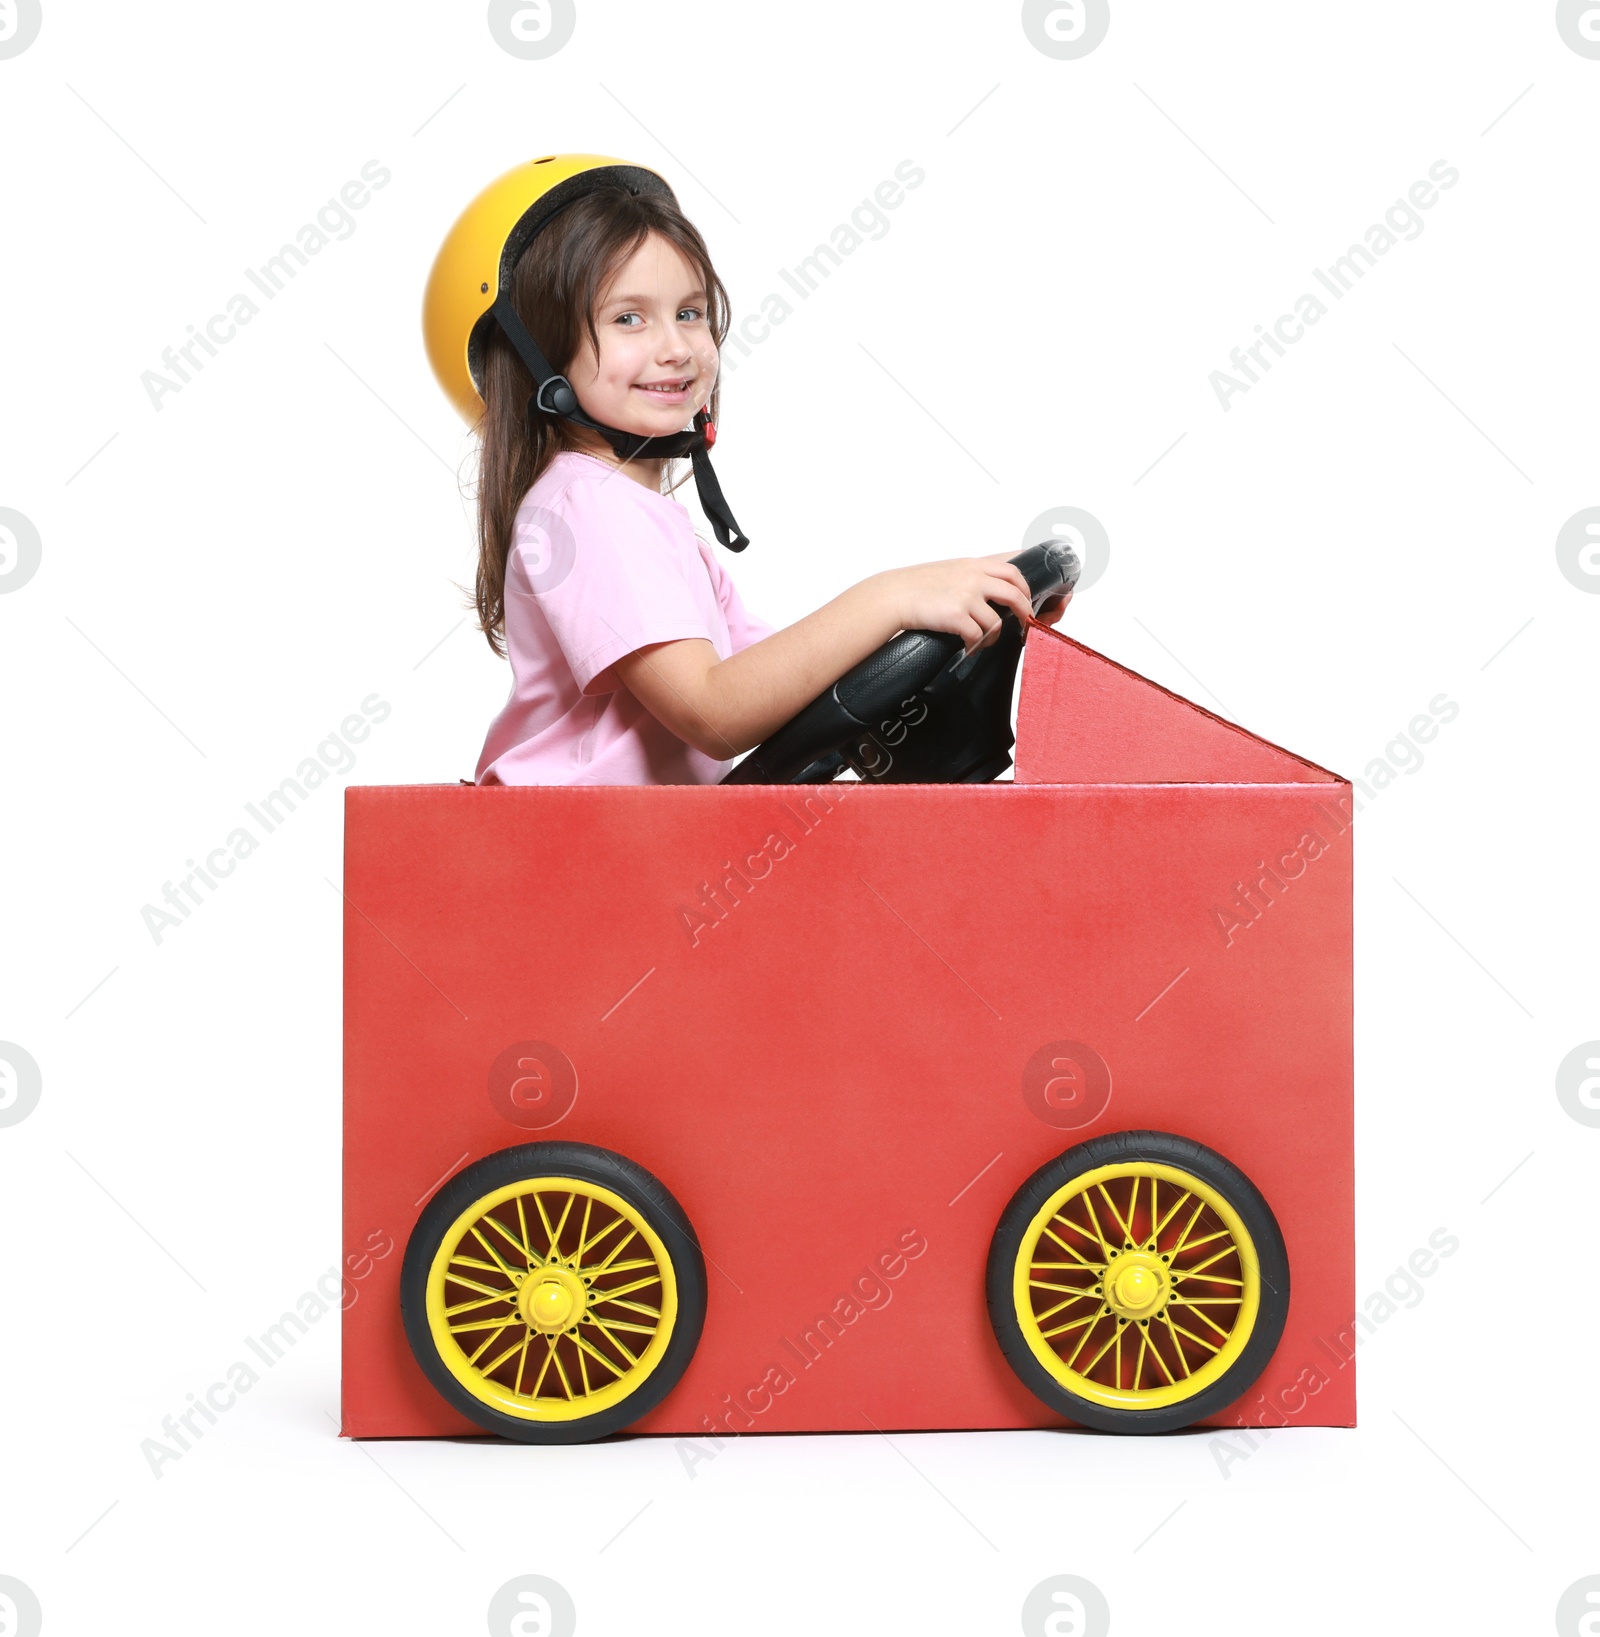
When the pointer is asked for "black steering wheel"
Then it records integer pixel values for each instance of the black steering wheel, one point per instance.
(919, 710)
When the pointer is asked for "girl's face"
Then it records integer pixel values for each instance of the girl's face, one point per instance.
(657, 361)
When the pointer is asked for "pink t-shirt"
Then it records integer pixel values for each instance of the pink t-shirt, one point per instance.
(600, 566)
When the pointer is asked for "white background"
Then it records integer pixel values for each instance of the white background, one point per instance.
(222, 581)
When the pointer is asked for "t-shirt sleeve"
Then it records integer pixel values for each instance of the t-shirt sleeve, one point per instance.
(744, 627)
(608, 577)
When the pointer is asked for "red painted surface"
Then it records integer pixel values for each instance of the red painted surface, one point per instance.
(819, 1073)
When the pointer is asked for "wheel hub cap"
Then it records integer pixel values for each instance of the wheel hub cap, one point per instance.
(551, 1300)
(1137, 1285)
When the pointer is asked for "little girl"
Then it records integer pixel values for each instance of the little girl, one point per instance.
(633, 658)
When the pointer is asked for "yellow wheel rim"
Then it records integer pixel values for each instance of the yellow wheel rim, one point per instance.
(1136, 1285)
(551, 1299)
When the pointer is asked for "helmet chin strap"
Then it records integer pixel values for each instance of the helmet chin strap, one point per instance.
(553, 395)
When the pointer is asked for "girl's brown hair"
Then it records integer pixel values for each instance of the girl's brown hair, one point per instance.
(555, 288)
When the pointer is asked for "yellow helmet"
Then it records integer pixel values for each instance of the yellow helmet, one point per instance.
(469, 293)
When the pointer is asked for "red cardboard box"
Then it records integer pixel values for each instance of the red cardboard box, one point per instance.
(811, 1012)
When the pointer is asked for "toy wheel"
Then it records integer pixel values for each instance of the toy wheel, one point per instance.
(553, 1292)
(1138, 1282)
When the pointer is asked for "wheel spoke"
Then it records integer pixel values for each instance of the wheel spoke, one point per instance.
(479, 1324)
(606, 1266)
(1072, 1324)
(1127, 1231)
(489, 1369)
(630, 1266)
(1088, 1205)
(482, 1301)
(1077, 1227)
(1172, 1211)
(482, 1290)
(599, 1234)
(499, 1261)
(522, 1225)
(1198, 1271)
(1082, 1340)
(595, 1353)
(473, 1262)
(549, 1355)
(1208, 1319)
(566, 1386)
(566, 1211)
(1210, 1239)
(509, 1237)
(538, 1203)
(517, 1386)
(1155, 1353)
(1166, 1313)
(1114, 1337)
(612, 1292)
(1083, 1261)
(488, 1342)
(1045, 1284)
(1138, 1363)
(632, 1307)
(1198, 1340)
(1200, 1205)
(607, 1325)
(1210, 1278)
(1050, 1312)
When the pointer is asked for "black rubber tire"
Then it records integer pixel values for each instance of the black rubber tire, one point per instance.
(585, 1163)
(1156, 1147)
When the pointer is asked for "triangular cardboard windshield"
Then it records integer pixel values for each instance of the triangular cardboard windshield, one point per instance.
(1084, 719)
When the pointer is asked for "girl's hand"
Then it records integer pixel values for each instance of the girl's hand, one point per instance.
(1052, 608)
(955, 595)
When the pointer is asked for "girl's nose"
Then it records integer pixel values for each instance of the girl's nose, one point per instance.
(675, 346)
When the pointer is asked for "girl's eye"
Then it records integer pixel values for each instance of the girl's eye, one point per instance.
(694, 311)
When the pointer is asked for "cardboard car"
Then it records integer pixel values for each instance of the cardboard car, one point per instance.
(855, 1105)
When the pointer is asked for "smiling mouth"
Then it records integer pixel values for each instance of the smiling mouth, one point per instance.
(663, 388)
